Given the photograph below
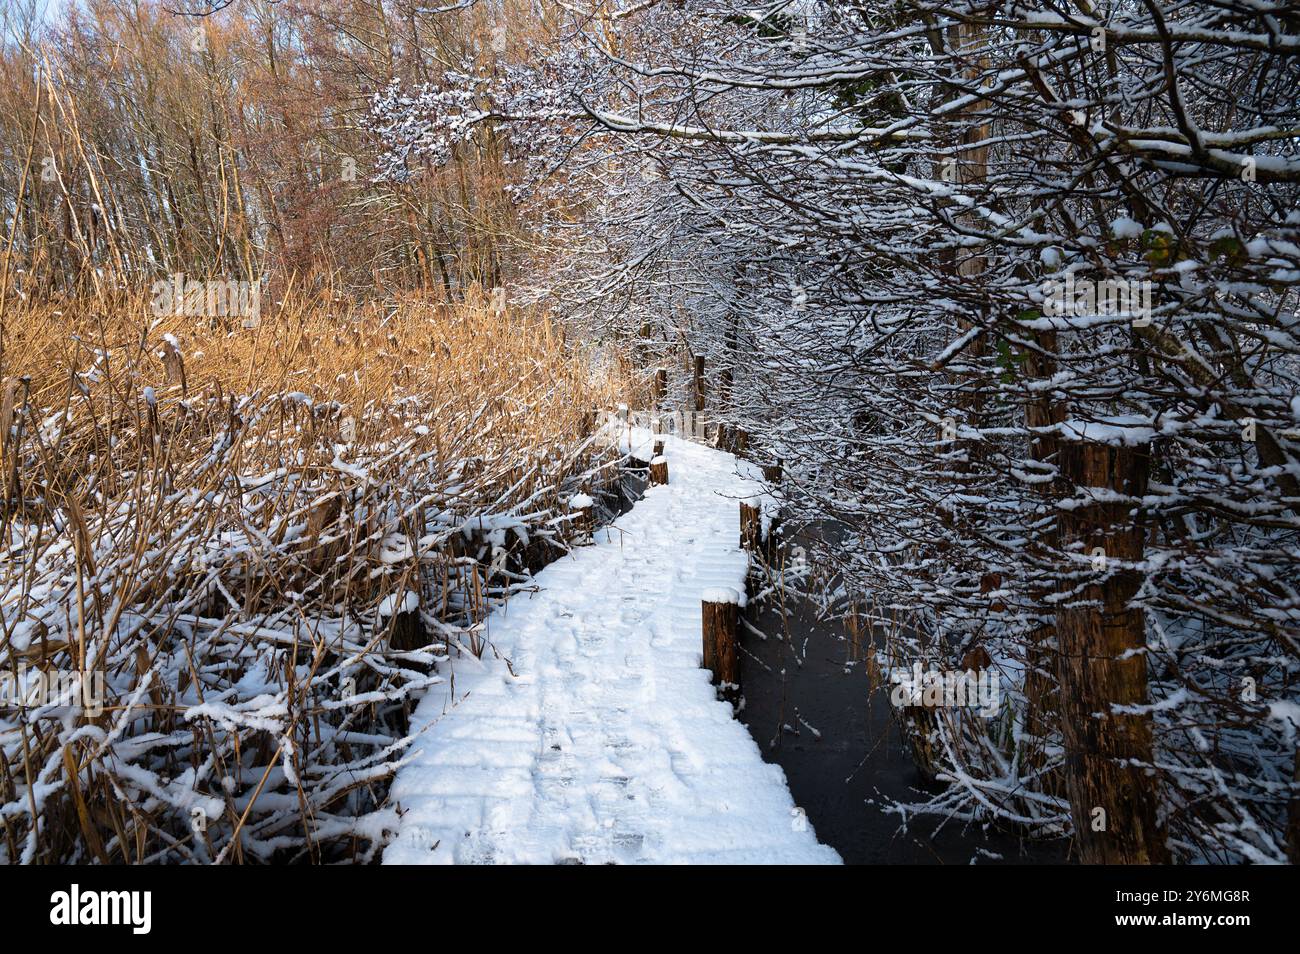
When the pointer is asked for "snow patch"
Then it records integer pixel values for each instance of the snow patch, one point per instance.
(720, 594)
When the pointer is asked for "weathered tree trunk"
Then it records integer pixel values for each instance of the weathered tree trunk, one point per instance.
(1102, 665)
(1041, 715)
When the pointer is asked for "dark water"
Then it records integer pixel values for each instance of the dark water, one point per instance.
(843, 778)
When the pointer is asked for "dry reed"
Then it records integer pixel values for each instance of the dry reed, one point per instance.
(222, 523)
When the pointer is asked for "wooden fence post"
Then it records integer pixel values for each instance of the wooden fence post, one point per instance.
(173, 365)
(720, 615)
(400, 614)
(580, 505)
(322, 516)
(853, 624)
(658, 470)
(751, 526)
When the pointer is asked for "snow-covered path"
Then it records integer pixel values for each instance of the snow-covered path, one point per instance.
(601, 740)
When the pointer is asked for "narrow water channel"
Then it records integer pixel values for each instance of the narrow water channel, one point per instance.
(808, 708)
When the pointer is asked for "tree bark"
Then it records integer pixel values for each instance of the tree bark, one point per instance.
(1041, 703)
(1102, 665)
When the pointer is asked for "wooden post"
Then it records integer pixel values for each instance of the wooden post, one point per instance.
(580, 505)
(920, 727)
(989, 583)
(751, 526)
(173, 365)
(720, 615)
(659, 449)
(400, 615)
(853, 623)
(658, 470)
(324, 514)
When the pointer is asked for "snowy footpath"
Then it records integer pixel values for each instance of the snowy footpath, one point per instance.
(588, 733)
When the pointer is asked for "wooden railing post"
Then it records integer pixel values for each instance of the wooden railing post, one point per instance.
(751, 526)
(580, 506)
(400, 614)
(658, 470)
(720, 615)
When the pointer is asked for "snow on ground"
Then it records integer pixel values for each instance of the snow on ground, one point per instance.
(592, 735)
